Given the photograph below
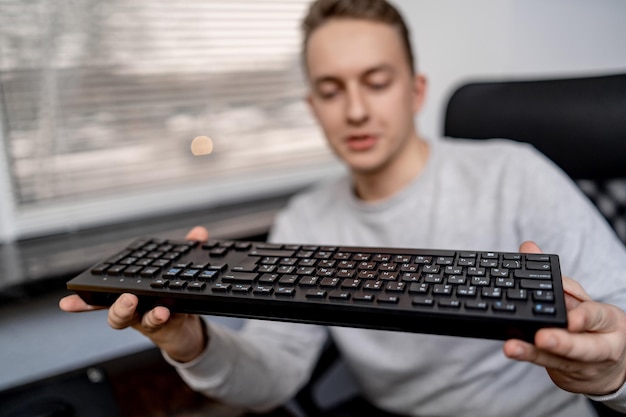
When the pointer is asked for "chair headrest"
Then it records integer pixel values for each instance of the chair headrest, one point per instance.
(579, 123)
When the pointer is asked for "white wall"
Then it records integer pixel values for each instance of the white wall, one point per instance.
(459, 40)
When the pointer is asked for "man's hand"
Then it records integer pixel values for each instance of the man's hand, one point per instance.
(182, 336)
(589, 356)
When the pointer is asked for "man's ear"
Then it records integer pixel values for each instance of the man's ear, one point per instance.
(419, 91)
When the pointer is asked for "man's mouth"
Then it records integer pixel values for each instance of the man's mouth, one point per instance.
(361, 142)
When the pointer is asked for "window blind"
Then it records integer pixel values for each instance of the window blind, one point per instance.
(102, 98)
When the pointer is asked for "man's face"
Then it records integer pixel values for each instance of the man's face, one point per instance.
(363, 92)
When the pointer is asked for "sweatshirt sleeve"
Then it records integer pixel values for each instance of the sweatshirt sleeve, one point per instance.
(258, 367)
(262, 365)
(616, 400)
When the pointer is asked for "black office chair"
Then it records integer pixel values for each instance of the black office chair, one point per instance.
(579, 123)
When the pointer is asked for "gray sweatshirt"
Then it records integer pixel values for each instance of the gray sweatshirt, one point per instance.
(473, 195)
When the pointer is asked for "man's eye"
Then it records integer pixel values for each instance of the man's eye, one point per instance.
(379, 85)
(328, 93)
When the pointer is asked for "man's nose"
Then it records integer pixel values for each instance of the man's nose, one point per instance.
(357, 112)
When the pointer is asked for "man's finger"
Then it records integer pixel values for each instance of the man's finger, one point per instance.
(529, 247)
(558, 351)
(574, 289)
(74, 304)
(597, 318)
(123, 312)
(154, 319)
(198, 233)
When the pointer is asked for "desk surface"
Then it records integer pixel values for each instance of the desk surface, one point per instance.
(37, 340)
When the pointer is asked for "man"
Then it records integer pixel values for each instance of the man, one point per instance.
(406, 191)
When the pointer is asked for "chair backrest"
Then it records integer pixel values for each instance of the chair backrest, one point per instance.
(579, 123)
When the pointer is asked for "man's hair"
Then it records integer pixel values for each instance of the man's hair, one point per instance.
(322, 11)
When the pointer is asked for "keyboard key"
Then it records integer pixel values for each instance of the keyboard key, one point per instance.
(503, 306)
(329, 282)
(308, 281)
(367, 275)
(505, 282)
(217, 252)
(218, 266)
(133, 271)
(449, 303)
(269, 278)
(466, 291)
(287, 279)
(177, 284)
(240, 277)
(147, 272)
(115, 270)
(196, 285)
(531, 284)
(190, 273)
(491, 293)
(442, 289)
(476, 305)
(388, 299)
(266, 268)
(220, 287)
(417, 288)
(433, 278)
(272, 253)
(547, 309)
(410, 277)
(315, 294)
(480, 281)
(395, 287)
(159, 283)
(541, 295)
(172, 272)
(456, 280)
(373, 285)
(241, 288)
(207, 275)
(263, 290)
(513, 294)
(538, 257)
(339, 295)
(525, 274)
(541, 266)
(364, 297)
(511, 264)
(423, 301)
(285, 292)
(350, 283)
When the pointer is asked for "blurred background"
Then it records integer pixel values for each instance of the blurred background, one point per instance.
(100, 99)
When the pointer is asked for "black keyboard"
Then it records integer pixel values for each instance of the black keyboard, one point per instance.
(491, 295)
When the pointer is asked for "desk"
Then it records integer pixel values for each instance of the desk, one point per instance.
(141, 384)
(39, 343)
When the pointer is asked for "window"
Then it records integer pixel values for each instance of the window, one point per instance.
(100, 100)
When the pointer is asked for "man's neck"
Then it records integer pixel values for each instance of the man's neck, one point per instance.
(393, 177)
